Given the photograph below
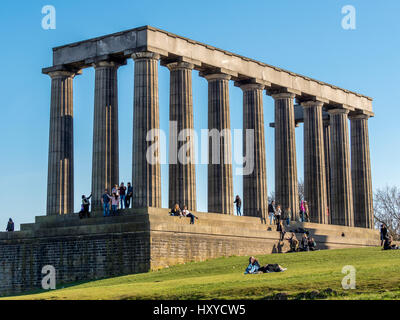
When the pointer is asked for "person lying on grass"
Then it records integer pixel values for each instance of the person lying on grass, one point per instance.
(254, 267)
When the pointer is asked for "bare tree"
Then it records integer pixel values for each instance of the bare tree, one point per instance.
(300, 188)
(271, 197)
(387, 209)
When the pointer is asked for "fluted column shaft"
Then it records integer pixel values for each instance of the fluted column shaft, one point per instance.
(60, 178)
(341, 186)
(314, 162)
(254, 184)
(286, 192)
(182, 174)
(105, 166)
(220, 184)
(327, 150)
(146, 176)
(361, 172)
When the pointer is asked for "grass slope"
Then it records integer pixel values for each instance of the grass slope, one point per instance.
(310, 275)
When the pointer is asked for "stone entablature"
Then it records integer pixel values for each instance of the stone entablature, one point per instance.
(204, 57)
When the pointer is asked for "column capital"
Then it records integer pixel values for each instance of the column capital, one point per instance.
(361, 115)
(61, 74)
(217, 76)
(338, 111)
(247, 86)
(312, 103)
(283, 95)
(176, 65)
(145, 55)
(106, 64)
(61, 71)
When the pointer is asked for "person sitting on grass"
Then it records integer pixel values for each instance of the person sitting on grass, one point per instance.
(312, 245)
(176, 211)
(254, 267)
(304, 242)
(294, 243)
(186, 213)
(388, 244)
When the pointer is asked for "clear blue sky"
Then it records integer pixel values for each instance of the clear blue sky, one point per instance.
(302, 36)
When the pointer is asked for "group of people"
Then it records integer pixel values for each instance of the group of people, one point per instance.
(387, 239)
(177, 212)
(120, 198)
(276, 214)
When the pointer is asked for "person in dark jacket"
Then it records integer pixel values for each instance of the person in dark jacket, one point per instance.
(271, 212)
(238, 202)
(105, 201)
(129, 196)
(388, 244)
(304, 242)
(85, 207)
(294, 243)
(10, 225)
(312, 245)
(384, 233)
(176, 211)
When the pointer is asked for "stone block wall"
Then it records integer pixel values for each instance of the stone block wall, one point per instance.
(140, 240)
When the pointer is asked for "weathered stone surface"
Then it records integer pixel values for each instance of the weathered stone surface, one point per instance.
(220, 184)
(361, 172)
(105, 167)
(286, 193)
(255, 184)
(182, 175)
(327, 151)
(341, 186)
(146, 176)
(314, 162)
(60, 179)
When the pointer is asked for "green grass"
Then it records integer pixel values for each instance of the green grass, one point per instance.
(309, 275)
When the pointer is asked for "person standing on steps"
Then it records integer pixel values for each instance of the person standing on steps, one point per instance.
(105, 201)
(278, 214)
(271, 212)
(288, 215)
(122, 194)
(85, 207)
(238, 202)
(10, 225)
(129, 196)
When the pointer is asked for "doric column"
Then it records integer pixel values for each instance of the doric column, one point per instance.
(286, 192)
(60, 179)
(327, 149)
(146, 175)
(341, 189)
(182, 176)
(314, 161)
(255, 183)
(220, 185)
(105, 165)
(361, 172)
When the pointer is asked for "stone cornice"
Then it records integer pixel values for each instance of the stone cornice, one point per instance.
(204, 57)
